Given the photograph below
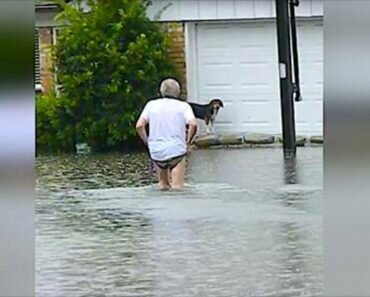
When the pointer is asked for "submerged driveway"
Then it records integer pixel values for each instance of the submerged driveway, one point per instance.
(247, 224)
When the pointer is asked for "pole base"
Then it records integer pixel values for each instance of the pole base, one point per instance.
(290, 153)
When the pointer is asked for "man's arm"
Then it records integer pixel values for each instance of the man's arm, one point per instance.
(192, 131)
(140, 129)
(141, 124)
(191, 122)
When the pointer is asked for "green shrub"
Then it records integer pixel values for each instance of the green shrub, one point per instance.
(53, 132)
(109, 62)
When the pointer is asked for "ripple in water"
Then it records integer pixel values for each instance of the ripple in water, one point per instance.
(220, 236)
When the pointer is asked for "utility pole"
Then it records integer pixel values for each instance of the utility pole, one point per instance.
(287, 87)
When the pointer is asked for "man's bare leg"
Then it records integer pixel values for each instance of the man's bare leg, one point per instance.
(178, 175)
(164, 183)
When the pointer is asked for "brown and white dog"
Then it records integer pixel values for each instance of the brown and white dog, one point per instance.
(207, 112)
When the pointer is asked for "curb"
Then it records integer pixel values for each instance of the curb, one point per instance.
(252, 140)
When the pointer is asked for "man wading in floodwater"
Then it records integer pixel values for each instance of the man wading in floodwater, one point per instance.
(168, 143)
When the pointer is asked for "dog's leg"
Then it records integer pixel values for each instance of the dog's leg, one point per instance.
(208, 130)
(212, 129)
(207, 121)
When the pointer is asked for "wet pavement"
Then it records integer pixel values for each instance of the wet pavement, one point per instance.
(247, 224)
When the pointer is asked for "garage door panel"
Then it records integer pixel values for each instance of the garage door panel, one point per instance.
(220, 62)
(219, 88)
(256, 74)
(318, 112)
(224, 127)
(215, 53)
(309, 116)
(212, 49)
(253, 62)
(251, 33)
(208, 31)
(301, 114)
(227, 115)
(311, 88)
(253, 112)
(256, 128)
(238, 62)
(309, 30)
(225, 120)
(211, 89)
(311, 75)
(249, 55)
(215, 76)
(252, 89)
(259, 112)
(206, 97)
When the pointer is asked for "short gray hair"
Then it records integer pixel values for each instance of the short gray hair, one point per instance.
(170, 88)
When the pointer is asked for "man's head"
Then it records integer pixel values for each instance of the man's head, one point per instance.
(170, 88)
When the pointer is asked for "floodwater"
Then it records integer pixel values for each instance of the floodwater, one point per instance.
(247, 224)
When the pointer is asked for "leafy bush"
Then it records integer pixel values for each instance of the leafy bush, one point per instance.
(109, 62)
(53, 132)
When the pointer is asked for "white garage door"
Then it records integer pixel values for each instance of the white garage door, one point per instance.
(238, 63)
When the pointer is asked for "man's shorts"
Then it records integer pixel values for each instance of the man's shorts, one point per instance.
(169, 163)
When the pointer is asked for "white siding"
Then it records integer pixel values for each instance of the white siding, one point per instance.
(225, 9)
(263, 9)
(196, 10)
(45, 19)
(244, 9)
(206, 11)
(317, 7)
(188, 8)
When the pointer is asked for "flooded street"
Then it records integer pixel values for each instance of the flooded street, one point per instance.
(247, 224)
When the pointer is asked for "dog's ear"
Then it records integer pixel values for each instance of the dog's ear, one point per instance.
(214, 100)
(219, 101)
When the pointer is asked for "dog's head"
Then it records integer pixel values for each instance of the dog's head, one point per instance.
(216, 104)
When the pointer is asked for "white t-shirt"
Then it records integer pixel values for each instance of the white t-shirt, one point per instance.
(167, 120)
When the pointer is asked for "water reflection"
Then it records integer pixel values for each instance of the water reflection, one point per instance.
(237, 229)
(298, 259)
(290, 171)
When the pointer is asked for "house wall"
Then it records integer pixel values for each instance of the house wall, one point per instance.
(238, 62)
(46, 74)
(173, 20)
(201, 10)
(45, 24)
(205, 10)
(176, 32)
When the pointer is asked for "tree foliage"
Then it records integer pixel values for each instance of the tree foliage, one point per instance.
(109, 61)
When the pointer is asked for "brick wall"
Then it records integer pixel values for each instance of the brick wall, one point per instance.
(176, 32)
(46, 73)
